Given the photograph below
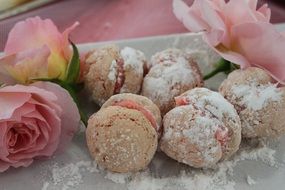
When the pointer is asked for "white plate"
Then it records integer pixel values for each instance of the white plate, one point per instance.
(39, 174)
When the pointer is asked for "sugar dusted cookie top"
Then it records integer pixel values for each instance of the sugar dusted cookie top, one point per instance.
(172, 73)
(113, 71)
(203, 129)
(260, 103)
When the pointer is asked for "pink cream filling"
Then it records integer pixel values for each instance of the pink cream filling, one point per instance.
(120, 76)
(222, 133)
(133, 105)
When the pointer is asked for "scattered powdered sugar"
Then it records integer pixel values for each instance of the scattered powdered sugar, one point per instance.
(133, 58)
(45, 186)
(118, 177)
(113, 71)
(264, 154)
(182, 182)
(70, 175)
(250, 181)
(221, 178)
(202, 180)
(257, 96)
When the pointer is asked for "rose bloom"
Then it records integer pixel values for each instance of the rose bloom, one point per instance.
(238, 31)
(35, 49)
(35, 121)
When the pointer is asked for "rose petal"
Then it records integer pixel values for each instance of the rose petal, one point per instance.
(4, 166)
(209, 14)
(238, 12)
(35, 115)
(22, 143)
(252, 4)
(214, 37)
(54, 124)
(262, 46)
(219, 4)
(46, 95)
(65, 40)
(10, 101)
(191, 18)
(70, 117)
(24, 66)
(265, 12)
(3, 131)
(18, 113)
(232, 56)
(32, 125)
(22, 163)
(33, 33)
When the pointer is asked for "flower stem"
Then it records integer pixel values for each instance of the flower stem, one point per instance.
(212, 73)
(222, 66)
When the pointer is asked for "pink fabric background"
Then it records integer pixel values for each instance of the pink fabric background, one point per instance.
(103, 20)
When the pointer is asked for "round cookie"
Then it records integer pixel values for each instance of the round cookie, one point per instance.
(112, 71)
(121, 139)
(202, 130)
(259, 102)
(172, 73)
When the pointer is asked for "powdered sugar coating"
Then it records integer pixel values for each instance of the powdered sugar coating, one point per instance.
(113, 71)
(172, 73)
(255, 96)
(132, 58)
(168, 56)
(182, 139)
(212, 101)
(191, 131)
(224, 111)
(259, 102)
(134, 67)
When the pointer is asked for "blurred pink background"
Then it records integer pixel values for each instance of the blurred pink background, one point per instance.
(102, 20)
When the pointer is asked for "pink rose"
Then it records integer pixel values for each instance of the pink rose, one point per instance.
(238, 31)
(35, 121)
(35, 49)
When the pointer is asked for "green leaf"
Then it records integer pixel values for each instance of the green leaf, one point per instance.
(72, 93)
(73, 69)
(46, 80)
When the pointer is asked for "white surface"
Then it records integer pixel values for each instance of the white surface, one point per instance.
(39, 174)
